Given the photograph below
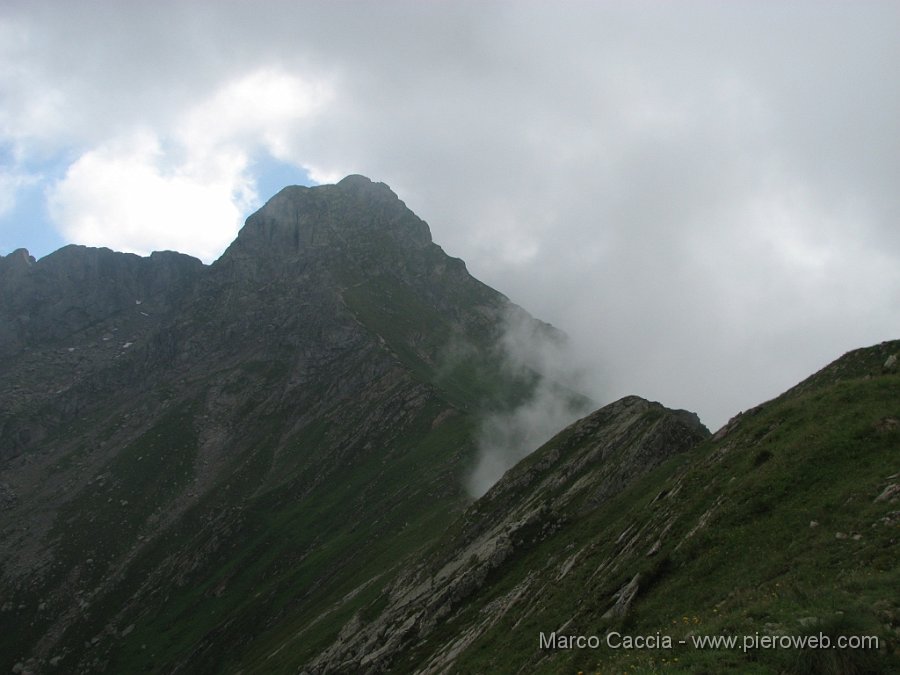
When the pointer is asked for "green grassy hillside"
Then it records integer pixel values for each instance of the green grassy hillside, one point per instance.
(784, 524)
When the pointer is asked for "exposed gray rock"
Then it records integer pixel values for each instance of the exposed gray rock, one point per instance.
(8, 498)
(49, 300)
(890, 494)
(623, 598)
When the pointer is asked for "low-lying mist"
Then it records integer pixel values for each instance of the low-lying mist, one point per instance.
(535, 351)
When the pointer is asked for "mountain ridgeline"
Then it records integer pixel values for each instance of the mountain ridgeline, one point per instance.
(261, 466)
(244, 443)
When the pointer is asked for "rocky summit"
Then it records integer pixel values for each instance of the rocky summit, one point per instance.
(260, 466)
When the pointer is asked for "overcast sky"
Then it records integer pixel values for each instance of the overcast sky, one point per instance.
(705, 196)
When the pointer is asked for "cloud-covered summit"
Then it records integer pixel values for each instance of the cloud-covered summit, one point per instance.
(703, 196)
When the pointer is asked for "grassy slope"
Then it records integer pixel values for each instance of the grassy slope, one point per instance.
(267, 566)
(467, 368)
(291, 558)
(774, 528)
(292, 561)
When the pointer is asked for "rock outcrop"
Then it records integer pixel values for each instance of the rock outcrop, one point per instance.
(577, 471)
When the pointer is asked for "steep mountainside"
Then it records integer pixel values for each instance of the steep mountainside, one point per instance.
(785, 523)
(582, 468)
(194, 457)
(68, 317)
(257, 466)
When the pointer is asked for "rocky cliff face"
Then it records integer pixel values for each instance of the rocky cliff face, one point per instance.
(70, 319)
(49, 301)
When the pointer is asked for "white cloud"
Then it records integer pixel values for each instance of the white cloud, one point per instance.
(123, 196)
(505, 437)
(263, 108)
(704, 197)
(189, 188)
(27, 110)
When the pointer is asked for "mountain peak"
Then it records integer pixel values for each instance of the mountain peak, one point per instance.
(18, 259)
(355, 180)
(354, 215)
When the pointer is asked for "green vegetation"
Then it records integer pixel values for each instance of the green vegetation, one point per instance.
(775, 529)
(466, 367)
(297, 549)
(139, 480)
